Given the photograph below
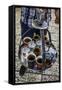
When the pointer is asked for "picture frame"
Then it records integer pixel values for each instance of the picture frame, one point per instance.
(25, 35)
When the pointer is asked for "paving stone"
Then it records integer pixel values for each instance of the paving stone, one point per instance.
(50, 78)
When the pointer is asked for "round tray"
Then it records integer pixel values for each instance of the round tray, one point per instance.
(24, 60)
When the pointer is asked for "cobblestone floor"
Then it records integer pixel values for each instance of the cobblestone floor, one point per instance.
(51, 74)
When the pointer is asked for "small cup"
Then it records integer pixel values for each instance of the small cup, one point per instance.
(36, 37)
(31, 60)
(39, 62)
(26, 40)
(37, 51)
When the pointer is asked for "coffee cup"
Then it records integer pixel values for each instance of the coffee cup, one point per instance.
(37, 51)
(26, 40)
(39, 62)
(36, 37)
(31, 60)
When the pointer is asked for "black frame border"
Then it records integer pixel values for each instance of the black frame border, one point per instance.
(12, 81)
